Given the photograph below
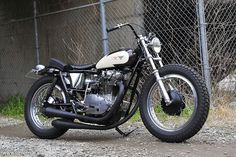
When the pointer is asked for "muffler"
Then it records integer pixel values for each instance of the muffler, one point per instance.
(52, 112)
(59, 123)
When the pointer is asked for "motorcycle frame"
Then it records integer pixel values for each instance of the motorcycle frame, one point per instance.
(130, 111)
(143, 57)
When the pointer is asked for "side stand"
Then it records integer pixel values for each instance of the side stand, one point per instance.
(123, 133)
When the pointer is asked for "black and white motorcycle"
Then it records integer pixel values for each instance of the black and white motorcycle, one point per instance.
(173, 101)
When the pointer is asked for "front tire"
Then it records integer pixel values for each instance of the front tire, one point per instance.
(183, 119)
(39, 124)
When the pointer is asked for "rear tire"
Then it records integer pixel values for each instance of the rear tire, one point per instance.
(34, 102)
(197, 117)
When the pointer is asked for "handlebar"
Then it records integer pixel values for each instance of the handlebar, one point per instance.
(124, 25)
(112, 29)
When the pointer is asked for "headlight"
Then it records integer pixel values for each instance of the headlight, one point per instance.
(156, 45)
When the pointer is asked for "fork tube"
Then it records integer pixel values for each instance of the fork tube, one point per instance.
(156, 72)
(160, 61)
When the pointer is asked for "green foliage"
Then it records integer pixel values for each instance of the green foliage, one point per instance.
(136, 117)
(186, 113)
(14, 107)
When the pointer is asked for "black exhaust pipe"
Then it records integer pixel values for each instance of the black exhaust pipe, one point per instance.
(61, 123)
(73, 125)
(52, 112)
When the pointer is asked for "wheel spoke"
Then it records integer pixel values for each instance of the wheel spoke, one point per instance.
(160, 114)
(37, 103)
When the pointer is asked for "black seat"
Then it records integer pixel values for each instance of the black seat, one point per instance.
(82, 66)
(55, 63)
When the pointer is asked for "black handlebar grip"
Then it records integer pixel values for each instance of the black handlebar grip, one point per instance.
(112, 29)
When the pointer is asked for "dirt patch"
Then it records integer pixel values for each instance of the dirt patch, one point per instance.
(9, 122)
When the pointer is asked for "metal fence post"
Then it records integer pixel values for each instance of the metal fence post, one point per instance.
(36, 32)
(203, 44)
(104, 27)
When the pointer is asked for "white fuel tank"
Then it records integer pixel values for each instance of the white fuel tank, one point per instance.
(109, 61)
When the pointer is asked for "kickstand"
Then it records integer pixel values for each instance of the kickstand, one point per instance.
(123, 133)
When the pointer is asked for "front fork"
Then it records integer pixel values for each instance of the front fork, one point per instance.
(156, 72)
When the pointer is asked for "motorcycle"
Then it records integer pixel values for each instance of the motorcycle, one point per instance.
(173, 101)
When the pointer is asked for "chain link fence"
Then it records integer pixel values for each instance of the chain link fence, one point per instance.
(174, 22)
(67, 33)
(76, 34)
(71, 31)
(221, 33)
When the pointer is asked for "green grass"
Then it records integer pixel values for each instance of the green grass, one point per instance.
(14, 107)
(186, 113)
(136, 117)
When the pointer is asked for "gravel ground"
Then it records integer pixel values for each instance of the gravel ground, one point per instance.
(16, 140)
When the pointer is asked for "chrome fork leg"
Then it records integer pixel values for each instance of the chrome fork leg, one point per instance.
(162, 87)
(156, 72)
(160, 82)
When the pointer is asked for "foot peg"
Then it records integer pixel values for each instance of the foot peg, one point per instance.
(123, 133)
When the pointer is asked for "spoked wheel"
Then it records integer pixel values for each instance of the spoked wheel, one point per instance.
(37, 122)
(187, 113)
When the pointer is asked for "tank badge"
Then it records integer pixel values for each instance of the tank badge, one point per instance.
(120, 57)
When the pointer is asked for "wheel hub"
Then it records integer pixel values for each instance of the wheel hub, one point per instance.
(176, 106)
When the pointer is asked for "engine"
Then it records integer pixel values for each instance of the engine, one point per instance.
(100, 90)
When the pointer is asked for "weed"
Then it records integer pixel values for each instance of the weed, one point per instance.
(14, 107)
(136, 117)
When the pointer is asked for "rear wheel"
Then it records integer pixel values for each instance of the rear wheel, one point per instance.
(185, 116)
(37, 122)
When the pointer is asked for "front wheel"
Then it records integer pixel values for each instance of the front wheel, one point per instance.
(185, 116)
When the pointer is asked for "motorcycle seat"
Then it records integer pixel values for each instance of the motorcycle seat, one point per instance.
(82, 66)
(55, 63)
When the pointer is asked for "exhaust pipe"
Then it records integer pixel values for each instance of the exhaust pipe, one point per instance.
(62, 123)
(73, 125)
(52, 112)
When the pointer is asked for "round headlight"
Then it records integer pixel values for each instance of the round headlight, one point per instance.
(156, 45)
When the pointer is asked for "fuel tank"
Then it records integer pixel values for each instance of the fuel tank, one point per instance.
(117, 59)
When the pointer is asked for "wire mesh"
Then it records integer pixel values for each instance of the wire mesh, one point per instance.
(70, 30)
(174, 22)
(220, 17)
(78, 33)
(71, 36)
